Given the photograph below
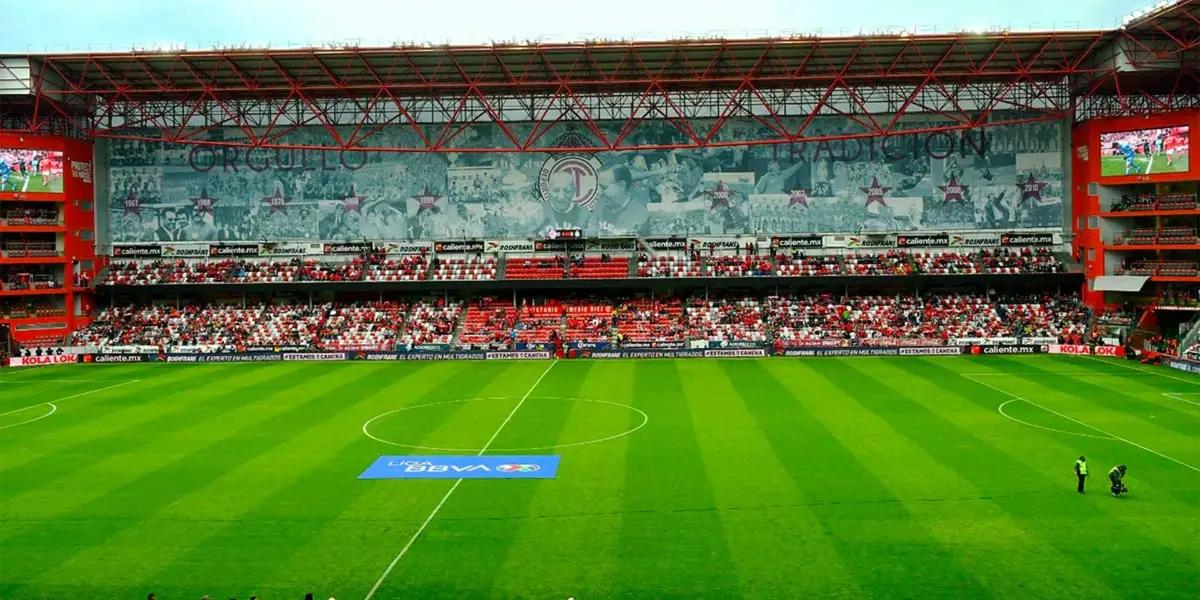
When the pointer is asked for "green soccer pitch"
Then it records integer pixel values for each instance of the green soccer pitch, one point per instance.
(757, 478)
(33, 183)
(1114, 166)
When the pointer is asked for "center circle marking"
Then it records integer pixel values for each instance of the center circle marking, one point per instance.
(366, 427)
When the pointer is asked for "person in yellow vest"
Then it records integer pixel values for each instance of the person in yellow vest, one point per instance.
(1081, 472)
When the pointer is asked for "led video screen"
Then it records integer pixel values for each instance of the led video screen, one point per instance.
(29, 171)
(1144, 151)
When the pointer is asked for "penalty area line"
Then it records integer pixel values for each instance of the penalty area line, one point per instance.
(1140, 370)
(1092, 427)
(1179, 396)
(450, 492)
(53, 409)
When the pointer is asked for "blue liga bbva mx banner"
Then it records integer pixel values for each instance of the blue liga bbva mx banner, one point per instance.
(536, 466)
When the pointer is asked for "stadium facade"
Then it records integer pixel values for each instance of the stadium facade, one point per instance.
(505, 164)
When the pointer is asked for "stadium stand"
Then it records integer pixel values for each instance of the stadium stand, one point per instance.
(725, 320)
(1148, 202)
(905, 319)
(798, 265)
(495, 324)
(30, 215)
(331, 326)
(1146, 236)
(29, 277)
(180, 271)
(1159, 268)
(589, 321)
(1019, 261)
(530, 267)
(1007, 261)
(598, 267)
(487, 324)
(28, 249)
(475, 268)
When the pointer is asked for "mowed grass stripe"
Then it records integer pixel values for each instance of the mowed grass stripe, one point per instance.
(470, 418)
(379, 517)
(763, 511)
(481, 522)
(32, 394)
(1098, 393)
(571, 534)
(103, 411)
(1156, 474)
(673, 542)
(184, 463)
(289, 507)
(89, 438)
(514, 565)
(1171, 489)
(1111, 412)
(1157, 373)
(126, 562)
(925, 456)
(876, 535)
(1158, 528)
(1121, 368)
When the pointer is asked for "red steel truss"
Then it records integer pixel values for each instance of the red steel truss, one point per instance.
(607, 92)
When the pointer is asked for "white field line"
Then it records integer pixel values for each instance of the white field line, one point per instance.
(1179, 396)
(450, 492)
(1000, 409)
(16, 381)
(53, 409)
(1120, 363)
(1079, 374)
(109, 387)
(1092, 427)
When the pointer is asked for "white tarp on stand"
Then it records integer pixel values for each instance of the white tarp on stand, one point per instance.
(1120, 283)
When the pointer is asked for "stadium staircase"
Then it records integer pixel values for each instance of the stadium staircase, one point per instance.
(501, 268)
(1192, 337)
(1067, 259)
(458, 327)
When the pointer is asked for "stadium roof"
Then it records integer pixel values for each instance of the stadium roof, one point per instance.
(590, 66)
(1149, 64)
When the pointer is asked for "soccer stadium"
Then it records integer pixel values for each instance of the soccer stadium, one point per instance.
(896, 314)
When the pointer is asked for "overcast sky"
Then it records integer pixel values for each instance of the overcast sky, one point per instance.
(80, 25)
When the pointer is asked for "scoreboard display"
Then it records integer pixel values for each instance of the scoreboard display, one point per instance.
(565, 234)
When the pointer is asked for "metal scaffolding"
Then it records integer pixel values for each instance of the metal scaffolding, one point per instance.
(606, 91)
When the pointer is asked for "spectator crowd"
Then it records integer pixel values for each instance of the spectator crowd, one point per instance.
(490, 323)
(381, 267)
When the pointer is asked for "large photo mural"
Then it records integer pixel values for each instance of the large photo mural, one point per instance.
(997, 177)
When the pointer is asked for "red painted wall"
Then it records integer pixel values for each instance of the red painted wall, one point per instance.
(1085, 169)
(77, 204)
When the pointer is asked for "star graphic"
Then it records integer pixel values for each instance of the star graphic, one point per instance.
(277, 202)
(133, 204)
(799, 198)
(1031, 189)
(720, 196)
(875, 192)
(953, 191)
(426, 200)
(352, 201)
(204, 203)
